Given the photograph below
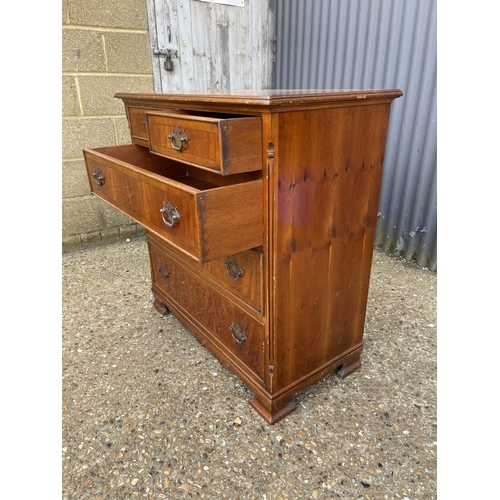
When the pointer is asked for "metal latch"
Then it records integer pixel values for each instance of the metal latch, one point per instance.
(168, 53)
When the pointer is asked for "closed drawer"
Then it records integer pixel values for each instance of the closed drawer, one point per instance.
(226, 324)
(240, 273)
(205, 215)
(226, 145)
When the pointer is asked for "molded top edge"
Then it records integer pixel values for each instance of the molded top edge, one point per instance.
(269, 97)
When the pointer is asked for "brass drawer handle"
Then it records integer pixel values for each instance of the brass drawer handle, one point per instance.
(178, 138)
(173, 216)
(98, 177)
(238, 334)
(234, 270)
(163, 272)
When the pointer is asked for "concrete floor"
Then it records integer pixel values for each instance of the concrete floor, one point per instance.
(149, 413)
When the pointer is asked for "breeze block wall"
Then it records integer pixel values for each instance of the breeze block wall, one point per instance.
(105, 49)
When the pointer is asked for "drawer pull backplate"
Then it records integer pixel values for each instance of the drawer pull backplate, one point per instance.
(238, 334)
(172, 214)
(178, 138)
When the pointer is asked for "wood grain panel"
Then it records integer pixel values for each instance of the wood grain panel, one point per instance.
(230, 219)
(241, 144)
(329, 173)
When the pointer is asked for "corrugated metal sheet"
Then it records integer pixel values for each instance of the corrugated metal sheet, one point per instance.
(361, 44)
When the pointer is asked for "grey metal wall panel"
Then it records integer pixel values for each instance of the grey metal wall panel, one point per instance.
(363, 44)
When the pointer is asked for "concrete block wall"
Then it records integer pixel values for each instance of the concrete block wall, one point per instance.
(105, 49)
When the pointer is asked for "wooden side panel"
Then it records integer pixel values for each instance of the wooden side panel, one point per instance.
(325, 209)
(137, 122)
(230, 219)
(241, 145)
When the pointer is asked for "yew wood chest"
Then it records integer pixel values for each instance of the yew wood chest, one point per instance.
(260, 210)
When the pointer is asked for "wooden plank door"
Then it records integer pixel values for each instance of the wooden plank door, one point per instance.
(215, 46)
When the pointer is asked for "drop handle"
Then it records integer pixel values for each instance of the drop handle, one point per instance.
(178, 138)
(238, 334)
(98, 177)
(169, 214)
(163, 271)
(234, 270)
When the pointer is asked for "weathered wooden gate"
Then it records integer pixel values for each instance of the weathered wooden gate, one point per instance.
(211, 44)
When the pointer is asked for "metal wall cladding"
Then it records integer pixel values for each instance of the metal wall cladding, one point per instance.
(375, 44)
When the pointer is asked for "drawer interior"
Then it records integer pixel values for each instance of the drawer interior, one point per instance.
(195, 182)
(198, 179)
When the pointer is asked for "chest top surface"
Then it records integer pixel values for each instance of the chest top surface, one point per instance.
(264, 100)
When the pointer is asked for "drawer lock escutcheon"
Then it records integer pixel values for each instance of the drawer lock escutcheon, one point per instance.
(234, 270)
(98, 177)
(238, 334)
(163, 272)
(169, 214)
(178, 138)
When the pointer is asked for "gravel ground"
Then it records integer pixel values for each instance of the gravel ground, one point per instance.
(149, 413)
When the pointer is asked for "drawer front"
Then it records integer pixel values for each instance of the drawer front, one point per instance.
(203, 221)
(242, 274)
(228, 146)
(225, 323)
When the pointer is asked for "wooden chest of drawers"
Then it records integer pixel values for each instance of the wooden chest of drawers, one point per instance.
(260, 210)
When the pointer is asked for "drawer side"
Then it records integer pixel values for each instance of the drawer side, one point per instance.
(230, 219)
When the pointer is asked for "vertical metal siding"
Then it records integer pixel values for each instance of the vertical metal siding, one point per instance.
(363, 44)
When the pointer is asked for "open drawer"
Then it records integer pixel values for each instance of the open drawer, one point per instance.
(206, 215)
(224, 143)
